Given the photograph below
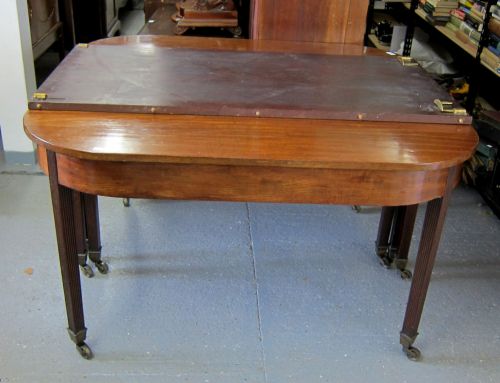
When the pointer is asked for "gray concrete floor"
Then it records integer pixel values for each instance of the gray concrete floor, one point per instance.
(230, 292)
(131, 21)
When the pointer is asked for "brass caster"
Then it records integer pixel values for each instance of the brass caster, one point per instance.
(381, 251)
(413, 353)
(405, 274)
(387, 258)
(102, 267)
(87, 271)
(176, 17)
(180, 30)
(236, 32)
(126, 202)
(386, 261)
(85, 351)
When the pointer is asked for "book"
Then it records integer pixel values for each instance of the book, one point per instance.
(493, 64)
(455, 21)
(494, 26)
(466, 3)
(459, 14)
(465, 39)
(451, 26)
(437, 20)
(438, 11)
(490, 55)
(477, 14)
(494, 50)
(443, 3)
(495, 11)
(494, 41)
(470, 15)
(440, 6)
(473, 22)
(471, 32)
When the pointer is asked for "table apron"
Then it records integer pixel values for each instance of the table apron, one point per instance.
(250, 183)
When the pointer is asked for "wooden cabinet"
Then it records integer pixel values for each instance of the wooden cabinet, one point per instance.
(329, 21)
(92, 19)
(45, 25)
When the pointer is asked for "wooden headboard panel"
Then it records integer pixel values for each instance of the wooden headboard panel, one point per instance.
(330, 21)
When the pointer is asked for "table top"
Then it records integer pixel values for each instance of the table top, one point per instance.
(229, 140)
(146, 78)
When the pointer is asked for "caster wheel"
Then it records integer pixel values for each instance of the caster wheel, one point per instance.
(102, 267)
(356, 208)
(87, 271)
(381, 251)
(126, 202)
(176, 17)
(413, 353)
(236, 32)
(85, 351)
(180, 30)
(386, 261)
(406, 274)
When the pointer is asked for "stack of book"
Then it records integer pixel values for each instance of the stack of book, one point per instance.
(467, 21)
(438, 11)
(491, 52)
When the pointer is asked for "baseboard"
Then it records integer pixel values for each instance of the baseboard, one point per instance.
(20, 158)
(18, 163)
(2, 153)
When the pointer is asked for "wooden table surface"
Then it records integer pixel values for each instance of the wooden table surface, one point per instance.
(195, 153)
(145, 78)
(252, 141)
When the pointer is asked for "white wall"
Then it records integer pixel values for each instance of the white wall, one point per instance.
(17, 74)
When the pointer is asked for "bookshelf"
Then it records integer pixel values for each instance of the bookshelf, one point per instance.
(375, 41)
(378, 11)
(470, 57)
(469, 48)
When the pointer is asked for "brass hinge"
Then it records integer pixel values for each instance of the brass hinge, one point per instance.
(40, 96)
(407, 61)
(83, 45)
(448, 107)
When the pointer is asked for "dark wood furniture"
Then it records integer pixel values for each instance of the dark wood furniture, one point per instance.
(206, 13)
(394, 237)
(329, 21)
(165, 19)
(45, 26)
(150, 6)
(216, 130)
(160, 22)
(91, 20)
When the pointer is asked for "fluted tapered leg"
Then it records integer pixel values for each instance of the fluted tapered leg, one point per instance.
(384, 230)
(429, 242)
(64, 218)
(405, 222)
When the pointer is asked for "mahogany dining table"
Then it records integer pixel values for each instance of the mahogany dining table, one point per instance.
(239, 120)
